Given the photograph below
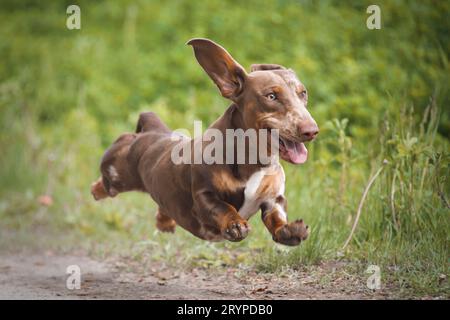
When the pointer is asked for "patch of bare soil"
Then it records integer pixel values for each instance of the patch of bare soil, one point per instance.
(43, 276)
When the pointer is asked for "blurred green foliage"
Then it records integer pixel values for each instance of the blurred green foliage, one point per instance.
(65, 95)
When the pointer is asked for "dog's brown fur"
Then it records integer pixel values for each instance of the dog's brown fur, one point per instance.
(206, 199)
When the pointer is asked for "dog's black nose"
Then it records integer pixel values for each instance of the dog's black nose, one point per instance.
(309, 131)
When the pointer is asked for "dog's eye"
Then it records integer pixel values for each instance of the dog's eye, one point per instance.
(302, 94)
(271, 96)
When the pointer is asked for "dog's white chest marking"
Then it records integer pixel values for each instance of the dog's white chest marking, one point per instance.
(251, 203)
(254, 196)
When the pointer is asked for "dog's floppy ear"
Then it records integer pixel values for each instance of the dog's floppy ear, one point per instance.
(266, 66)
(226, 73)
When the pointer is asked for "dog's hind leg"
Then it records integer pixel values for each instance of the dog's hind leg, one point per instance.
(164, 223)
(98, 189)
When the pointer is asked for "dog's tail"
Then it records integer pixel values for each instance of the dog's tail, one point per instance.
(149, 121)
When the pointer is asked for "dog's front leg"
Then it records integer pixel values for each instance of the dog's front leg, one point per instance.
(274, 217)
(219, 216)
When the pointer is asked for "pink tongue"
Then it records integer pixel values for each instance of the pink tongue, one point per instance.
(297, 152)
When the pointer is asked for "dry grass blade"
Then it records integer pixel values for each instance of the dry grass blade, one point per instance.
(361, 203)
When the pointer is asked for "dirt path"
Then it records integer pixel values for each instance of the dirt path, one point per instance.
(43, 276)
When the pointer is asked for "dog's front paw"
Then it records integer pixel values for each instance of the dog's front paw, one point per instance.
(292, 234)
(236, 230)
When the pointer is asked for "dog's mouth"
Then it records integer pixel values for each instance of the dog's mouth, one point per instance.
(292, 151)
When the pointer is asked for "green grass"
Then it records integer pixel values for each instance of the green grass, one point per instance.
(65, 95)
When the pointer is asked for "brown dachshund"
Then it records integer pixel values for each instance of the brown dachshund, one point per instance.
(214, 201)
